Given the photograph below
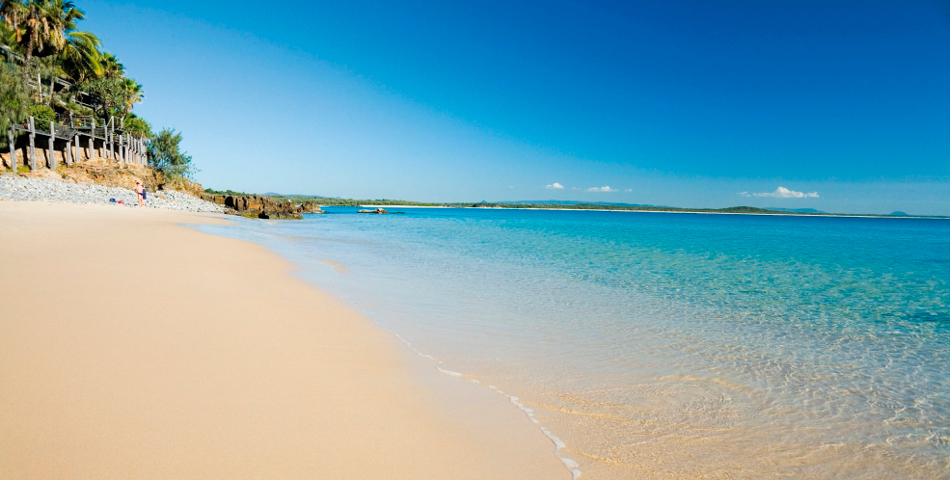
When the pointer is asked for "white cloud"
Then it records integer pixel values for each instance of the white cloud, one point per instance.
(601, 189)
(554, 186)
(781, 192)
(628, 190)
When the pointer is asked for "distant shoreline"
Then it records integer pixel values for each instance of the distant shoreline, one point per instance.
(593, 207)
(768, 213)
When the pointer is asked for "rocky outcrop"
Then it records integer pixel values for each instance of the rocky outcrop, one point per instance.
(377, 210)
(262, 206)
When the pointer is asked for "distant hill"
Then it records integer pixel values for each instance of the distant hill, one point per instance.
(795, 210)
(899, 214)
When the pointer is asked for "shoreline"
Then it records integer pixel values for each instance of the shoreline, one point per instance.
(134, 346)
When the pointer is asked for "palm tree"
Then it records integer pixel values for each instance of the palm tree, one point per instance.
(36, 29)
(79, 51)
(133, 94)
(49, 26)
(13, 13)
(81, 57)
(111, 67)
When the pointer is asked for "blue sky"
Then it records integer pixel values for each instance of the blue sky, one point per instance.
(835, 105)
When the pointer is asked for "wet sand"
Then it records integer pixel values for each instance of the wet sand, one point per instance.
(132, 347)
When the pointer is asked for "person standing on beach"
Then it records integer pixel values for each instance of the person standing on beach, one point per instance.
(140, 192)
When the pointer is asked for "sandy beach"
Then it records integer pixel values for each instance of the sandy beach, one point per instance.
(133, 347)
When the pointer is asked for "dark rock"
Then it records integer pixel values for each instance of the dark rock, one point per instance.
(309, 207)
(280, 215)
(262, 206)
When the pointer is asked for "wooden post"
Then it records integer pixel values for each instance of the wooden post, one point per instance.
(69, 150)
(111, 138)
(52, 145)
(76, 149)
(12, 141)
(92, 141)
(32, 145)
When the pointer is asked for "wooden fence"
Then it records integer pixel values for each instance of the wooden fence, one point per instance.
(87, 142)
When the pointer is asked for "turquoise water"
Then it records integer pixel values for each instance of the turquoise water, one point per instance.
(668, 344)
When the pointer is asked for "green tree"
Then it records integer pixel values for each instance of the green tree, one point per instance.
(165, 155)
(40, 40)
(14, 99)
(111, 92)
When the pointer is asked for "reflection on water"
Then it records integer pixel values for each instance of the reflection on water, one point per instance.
(670, 345)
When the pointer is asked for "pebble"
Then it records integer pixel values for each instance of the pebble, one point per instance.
(14, 187)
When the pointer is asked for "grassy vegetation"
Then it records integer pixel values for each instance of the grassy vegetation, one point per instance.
(226, 192)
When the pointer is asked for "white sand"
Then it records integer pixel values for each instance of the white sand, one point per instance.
(131, 347)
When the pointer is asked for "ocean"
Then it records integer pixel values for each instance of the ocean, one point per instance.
(667, 345)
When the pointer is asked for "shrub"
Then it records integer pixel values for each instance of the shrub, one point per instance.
(42, 115)
(79, 110)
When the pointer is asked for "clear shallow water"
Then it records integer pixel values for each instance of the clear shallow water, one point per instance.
(669, 344)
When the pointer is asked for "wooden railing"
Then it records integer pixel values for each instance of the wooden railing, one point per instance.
(122, 147)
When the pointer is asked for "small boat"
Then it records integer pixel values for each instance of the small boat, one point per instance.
(379, 210)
